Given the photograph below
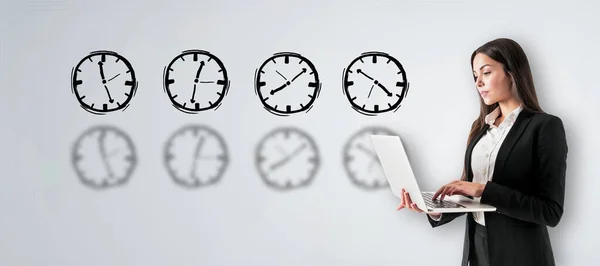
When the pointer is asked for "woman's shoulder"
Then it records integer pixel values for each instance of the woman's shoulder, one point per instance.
(546, 120)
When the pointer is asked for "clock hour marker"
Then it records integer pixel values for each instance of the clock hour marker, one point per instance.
(312, 84)
(78, 82)
(128, 83)
(220, 82)
(105, 106)
(170, 81)
(288, 108)
(376, 108)
(197, 106)
(374, 59)
(261, 84)
(195, 57)
(400, 84)
(103, 58)
(287, 59)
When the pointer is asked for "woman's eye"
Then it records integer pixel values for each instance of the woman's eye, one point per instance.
(486, 73)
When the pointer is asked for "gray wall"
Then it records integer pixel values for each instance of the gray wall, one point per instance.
(50, 217)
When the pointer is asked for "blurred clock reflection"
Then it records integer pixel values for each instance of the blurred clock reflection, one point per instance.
(103, 157)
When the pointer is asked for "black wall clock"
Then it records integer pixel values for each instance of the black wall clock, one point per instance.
(287, 83)
(196, 81)
(103, 82)
(375, 83)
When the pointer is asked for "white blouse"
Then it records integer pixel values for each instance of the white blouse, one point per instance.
(486, 150)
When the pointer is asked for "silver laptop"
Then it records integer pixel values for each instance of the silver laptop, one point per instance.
(399, 174)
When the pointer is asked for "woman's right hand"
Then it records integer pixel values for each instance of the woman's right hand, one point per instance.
(407, 203)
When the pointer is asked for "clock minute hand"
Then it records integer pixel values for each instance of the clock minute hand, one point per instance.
(363, 73)
(301, 72)
(289, 157)
(367, 151)
(103, 153)
(192, 100)
(110, 99)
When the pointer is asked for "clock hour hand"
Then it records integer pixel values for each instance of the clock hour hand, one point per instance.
(280, 88)
(110, 99)
(389, 94)
(100, 65)
(198, 72)
(196, 155)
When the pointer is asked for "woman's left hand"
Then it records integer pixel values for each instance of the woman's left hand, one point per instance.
(459, 187)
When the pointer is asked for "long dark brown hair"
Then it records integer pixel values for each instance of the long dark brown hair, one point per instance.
(514, 60)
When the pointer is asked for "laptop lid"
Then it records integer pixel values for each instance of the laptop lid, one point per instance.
(396, 167)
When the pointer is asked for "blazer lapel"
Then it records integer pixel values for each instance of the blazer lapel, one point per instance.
(509, 142)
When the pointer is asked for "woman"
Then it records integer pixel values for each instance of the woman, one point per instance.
(515, 160)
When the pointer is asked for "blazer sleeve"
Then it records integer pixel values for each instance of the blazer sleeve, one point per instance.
(546, 207)
(444, 219)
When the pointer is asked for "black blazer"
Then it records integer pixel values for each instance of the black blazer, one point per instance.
(527, 189)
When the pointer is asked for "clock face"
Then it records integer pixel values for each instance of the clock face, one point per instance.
(196, 156)
(196, 81)
(361, 162)
(375, 83)
(287, 83)
(103, 82)
(104, 157)
(287, 158)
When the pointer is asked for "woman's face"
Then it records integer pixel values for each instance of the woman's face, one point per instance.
(492, 82)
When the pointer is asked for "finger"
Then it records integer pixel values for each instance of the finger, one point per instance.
(400, 206)
(409, 201)
(445, 191)
(404, 199)
(416, 208)
(437, 193)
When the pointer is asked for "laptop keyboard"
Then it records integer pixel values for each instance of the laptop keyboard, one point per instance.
(439, 203)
